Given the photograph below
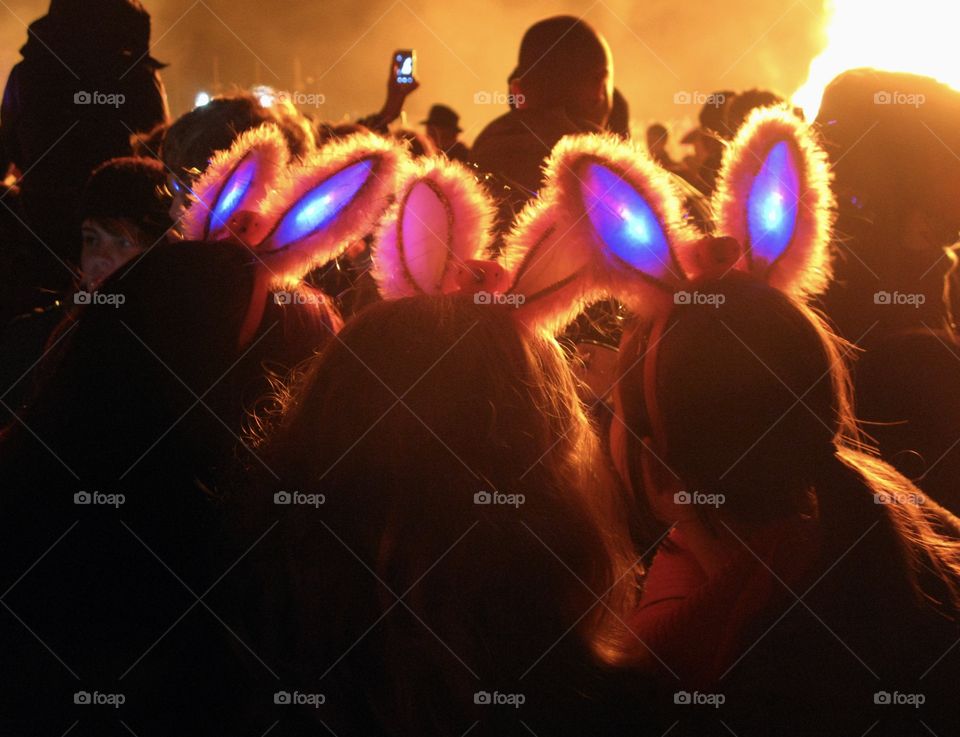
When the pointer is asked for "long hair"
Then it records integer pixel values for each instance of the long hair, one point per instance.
(756, 404)
(459, 473)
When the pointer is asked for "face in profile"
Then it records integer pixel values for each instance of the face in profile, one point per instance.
(107, 245)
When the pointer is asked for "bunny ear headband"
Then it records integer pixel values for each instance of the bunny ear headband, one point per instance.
(609, 222)
(293, 216)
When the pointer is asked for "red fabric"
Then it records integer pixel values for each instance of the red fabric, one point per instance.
(699, 625)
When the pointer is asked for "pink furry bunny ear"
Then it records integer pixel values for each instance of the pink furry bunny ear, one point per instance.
(774, 197)
(608, 222)
(236, 180)
(438, 227)
(323, 206)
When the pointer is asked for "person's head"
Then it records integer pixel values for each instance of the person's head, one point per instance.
(443, 126)
(564, 62)
(742, 104)
(657, 137)
(890, 137)
(726, 383)
(193, 139)
(457, 463)
(124, 211)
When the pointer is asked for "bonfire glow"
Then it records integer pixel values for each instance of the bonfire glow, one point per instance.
(918, 37)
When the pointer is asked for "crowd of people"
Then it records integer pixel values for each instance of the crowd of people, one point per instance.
(315, 427)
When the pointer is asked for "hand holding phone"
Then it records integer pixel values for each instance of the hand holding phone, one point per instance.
(404, 66)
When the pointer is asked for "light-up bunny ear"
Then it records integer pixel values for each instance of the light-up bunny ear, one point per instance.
(440, 222)
(609, 221)
(774, 197)
(323, 206)
(236, 180)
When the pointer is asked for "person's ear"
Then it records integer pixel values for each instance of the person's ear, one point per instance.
(517, 94)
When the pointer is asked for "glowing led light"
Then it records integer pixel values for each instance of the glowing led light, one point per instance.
(625, 222)
(772, 204)
(320, 206)
(233, 192)
(201, 99)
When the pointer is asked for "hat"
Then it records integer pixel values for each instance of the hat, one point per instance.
(129, 189)
(443, 117)
(552, 43)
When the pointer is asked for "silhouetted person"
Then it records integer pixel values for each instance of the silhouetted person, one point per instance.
(563, 84)
(889, 136)
(86, 83)
(619, 120)
(657, 137)
(443, 128)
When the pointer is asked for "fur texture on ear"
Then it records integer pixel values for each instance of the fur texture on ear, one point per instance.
(324, 205)
(237, 180)
(774, 197)
(609, 222)
(441, 220)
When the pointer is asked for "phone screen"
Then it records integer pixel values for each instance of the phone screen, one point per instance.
(403, 64)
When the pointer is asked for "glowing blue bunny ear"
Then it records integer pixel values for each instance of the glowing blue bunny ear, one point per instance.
(440, 222)
(609, 222)
(236, 180)
(322, 207)
(773, 196)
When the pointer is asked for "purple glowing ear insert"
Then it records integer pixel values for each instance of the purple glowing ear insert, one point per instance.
(625, 222)
(233, 192)
(772, 204)
(320, 206)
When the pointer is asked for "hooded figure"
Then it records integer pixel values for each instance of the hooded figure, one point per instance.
(86, 83)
